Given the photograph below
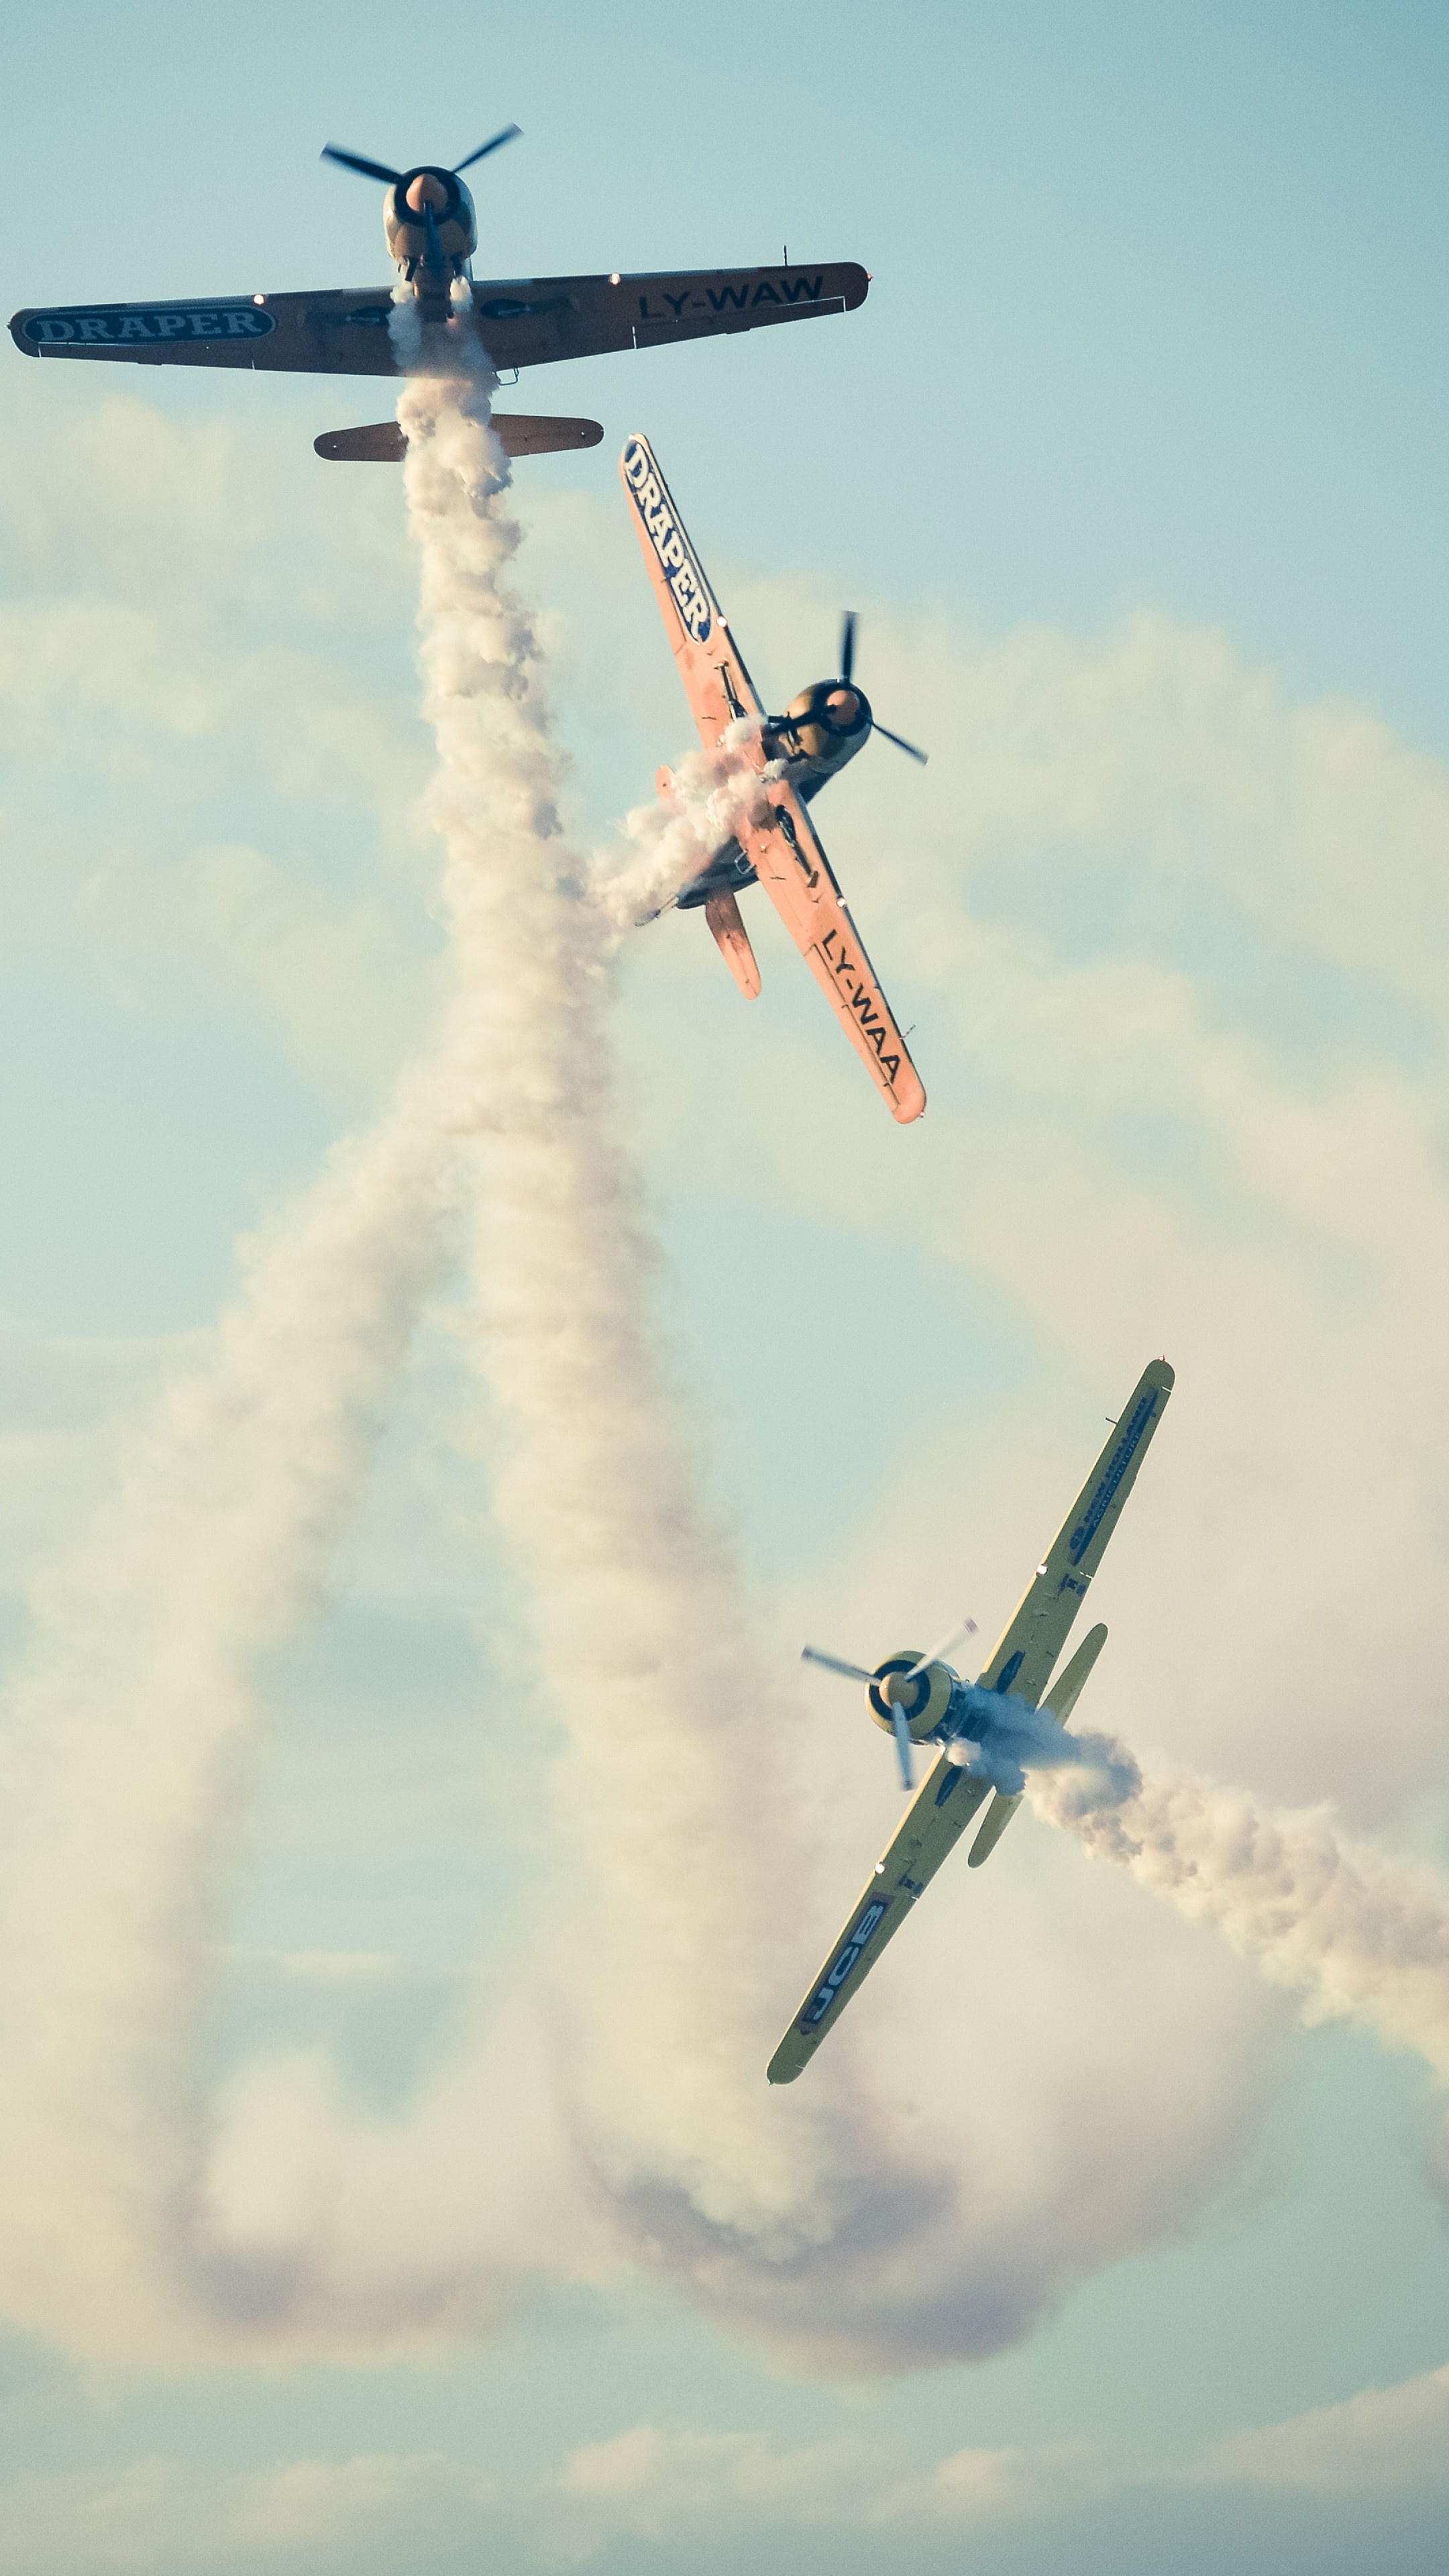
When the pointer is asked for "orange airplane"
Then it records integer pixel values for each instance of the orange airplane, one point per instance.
(794, 754)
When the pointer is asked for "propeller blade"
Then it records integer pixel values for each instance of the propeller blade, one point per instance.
(901, 1724)
(957, 1636)
(847, 645)
(355, 161)
(900, 744)
(430, 229)
(484, 149)
(833, 1664)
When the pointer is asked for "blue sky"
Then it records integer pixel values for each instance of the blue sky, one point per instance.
(1131, 464)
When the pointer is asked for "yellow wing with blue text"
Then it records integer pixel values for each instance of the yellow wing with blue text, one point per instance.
(1021, 1666)
(780, 840)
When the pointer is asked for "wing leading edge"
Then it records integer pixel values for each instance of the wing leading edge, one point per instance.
(949, 1797)
(525, 321)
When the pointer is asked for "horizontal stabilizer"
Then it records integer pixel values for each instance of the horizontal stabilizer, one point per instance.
(1059, 1703)
(733, 942)
(520, 433)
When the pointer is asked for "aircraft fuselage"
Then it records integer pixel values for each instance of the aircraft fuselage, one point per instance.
(821, 730)
(431, 228)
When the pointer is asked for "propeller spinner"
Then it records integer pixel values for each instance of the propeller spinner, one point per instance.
(428, 218)
(840, 708)
(908, 1694)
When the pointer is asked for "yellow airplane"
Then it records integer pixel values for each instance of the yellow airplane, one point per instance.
(989, 1730)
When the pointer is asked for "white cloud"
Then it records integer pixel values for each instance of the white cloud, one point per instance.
(155, 2513)
(1388, 2442)
(668, 2487)
(674, 2489)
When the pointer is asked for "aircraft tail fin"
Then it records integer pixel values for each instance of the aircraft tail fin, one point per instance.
(733, 942)
(1060, 1701)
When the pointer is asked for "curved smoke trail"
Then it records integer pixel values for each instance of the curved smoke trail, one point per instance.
(664, 2010)
(128, 1721)
(838, 2221)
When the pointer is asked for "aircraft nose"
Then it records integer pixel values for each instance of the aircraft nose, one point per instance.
(427, 190)
(843, 706)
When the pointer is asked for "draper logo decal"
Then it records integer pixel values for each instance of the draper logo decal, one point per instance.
(125, 326)
(820, 2004)
(686, 580)
(1117, 1466)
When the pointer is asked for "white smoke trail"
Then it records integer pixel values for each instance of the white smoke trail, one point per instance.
(706, 799)
(643, 1632)
(1359, 1936)
(126, 1728)
(126, 1724)
(830, 2221)
(1010, 1739)
(835, 2219)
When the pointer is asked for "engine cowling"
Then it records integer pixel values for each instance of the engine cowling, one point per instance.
(405, 218)
(830, 721)
(925, 1699)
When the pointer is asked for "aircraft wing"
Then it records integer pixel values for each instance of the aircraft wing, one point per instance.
(716, 683)
(936, 1818)
(526, 322)
(1022, 1663)
(949, 1797)
(791, 864)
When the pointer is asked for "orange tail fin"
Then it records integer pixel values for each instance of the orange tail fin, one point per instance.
(732, 940)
